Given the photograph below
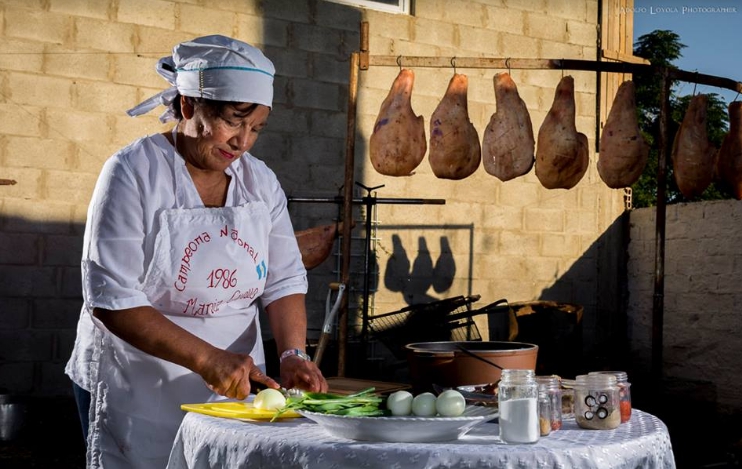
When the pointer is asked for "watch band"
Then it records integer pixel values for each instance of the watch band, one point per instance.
(294, 352)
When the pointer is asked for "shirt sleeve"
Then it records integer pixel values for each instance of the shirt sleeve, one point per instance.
(113, 255)
(286, 272)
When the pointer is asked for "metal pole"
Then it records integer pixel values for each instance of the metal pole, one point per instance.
(659, 263)
(369, 201)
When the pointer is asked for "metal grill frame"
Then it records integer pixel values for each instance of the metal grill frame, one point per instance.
(435, 321)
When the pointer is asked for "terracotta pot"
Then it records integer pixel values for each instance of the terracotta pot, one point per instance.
(446, 365)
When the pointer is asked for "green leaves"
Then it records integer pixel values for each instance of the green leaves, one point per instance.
(361, 404)
(663, 47)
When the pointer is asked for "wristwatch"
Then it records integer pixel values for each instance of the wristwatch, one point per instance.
(294, 352)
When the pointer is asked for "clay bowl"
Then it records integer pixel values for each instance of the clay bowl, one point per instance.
(452, 364)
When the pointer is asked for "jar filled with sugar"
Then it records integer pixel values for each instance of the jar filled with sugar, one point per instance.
(518, 405)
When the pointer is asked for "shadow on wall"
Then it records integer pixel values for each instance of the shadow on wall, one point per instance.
(40, 300)
(596, 281)
(414, 278)
(414, 283)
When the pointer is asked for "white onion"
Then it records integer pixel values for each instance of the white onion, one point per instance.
(423, 405)
(450, 403)
(269, 399)
(399, 403)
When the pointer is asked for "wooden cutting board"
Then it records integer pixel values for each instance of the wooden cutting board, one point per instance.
(340, 385)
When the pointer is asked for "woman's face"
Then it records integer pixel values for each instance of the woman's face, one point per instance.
(213, 138)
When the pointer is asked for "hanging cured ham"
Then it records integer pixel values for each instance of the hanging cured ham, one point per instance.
(729, 162)
(508, 144)
(397, 144)
(315, 244)
(692, 153)
(454, 143)
(562, 152)
(623, 150)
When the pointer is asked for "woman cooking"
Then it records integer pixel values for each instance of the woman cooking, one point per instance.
(185, 232)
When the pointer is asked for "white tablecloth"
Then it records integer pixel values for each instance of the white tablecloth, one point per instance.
(212, 442)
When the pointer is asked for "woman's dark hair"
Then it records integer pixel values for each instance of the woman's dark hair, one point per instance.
(213, 108)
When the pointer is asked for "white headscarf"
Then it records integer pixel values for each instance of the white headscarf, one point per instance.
(212, 67)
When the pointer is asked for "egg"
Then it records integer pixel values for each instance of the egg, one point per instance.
(450, 403)
(423, 405)
(399, 403)
(269, 399)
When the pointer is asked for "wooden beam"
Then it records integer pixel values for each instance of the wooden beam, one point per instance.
(621, 57)
(545, 64)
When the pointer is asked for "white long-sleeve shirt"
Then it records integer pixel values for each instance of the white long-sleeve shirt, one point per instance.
(134, 186)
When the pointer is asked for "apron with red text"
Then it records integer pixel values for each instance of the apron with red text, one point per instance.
(208, 268)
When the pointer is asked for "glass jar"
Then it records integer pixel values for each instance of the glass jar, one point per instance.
(568, 399)
(518, 403)
(597, 402)
(551, 387)
(624, 392)
(544, 411)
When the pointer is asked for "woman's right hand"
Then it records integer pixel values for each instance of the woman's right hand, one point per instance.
(229, 374)
(225, 373)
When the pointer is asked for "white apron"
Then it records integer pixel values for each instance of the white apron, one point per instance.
(209, 266)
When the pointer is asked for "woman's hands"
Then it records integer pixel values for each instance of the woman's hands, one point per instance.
(230, 374)
(226, 373)
(288, 319)
(299, 373)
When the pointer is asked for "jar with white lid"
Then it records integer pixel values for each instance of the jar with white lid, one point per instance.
(517, 397)
(624, 392)
(597, 402)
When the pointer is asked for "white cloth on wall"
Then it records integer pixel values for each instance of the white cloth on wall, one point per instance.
(205, 442)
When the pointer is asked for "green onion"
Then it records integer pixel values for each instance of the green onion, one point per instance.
(361, 404)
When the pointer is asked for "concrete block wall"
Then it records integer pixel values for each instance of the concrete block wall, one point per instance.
(514, 240)
(703, 271)
(70, 68)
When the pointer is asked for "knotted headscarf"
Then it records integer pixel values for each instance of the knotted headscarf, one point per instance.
(212, 67)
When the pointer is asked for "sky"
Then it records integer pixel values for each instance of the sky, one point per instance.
(712, 37)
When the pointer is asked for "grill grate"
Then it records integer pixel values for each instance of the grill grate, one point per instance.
(450, 319)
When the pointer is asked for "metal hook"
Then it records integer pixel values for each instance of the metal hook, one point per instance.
(507, 64)
(453, 64)
(561, 64)
(695, 84)
(399, 62)
(735, 98)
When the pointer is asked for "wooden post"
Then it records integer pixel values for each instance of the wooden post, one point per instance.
(350, 139)
(659, 260)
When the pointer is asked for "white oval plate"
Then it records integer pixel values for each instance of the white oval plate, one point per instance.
(402, 429)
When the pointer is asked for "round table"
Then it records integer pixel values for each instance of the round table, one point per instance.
(213, 442)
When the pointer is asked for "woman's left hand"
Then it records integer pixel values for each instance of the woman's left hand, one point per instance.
(299, 373)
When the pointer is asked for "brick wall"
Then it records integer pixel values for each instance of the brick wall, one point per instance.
(703, 271)
(70, 68)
